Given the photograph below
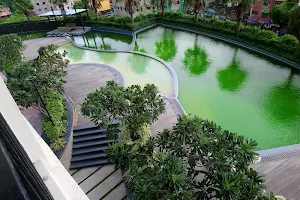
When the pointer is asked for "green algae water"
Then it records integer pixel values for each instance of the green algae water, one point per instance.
(103, 40)
(135, 69)
(241, 92)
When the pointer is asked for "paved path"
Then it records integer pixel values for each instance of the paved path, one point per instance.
(33, 45)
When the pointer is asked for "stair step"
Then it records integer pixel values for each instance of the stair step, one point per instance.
(90, 126)
(88, 132)
(89, 149)
(88, 156)
(89, 137)
(88, 163)
(91, 143)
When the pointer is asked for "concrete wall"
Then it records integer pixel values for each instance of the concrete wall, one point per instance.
(57, 179)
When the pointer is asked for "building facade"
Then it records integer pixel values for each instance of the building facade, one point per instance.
(144, 6)
(43, 6)
(261, 10)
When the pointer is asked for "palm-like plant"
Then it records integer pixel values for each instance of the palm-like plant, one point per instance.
(130, 7)
(95, 5)
(163, 4)
(166, 48)
(197, 4)
(60, 3)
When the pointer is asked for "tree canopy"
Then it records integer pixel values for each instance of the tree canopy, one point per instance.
(19, 6)
(48, 71)
(11, 49)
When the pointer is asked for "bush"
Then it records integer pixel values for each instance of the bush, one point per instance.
(20, 18)
(56, 106)
(266, 37)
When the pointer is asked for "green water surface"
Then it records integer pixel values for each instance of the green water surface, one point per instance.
(103, 40)
(241, 92)
(135, 69)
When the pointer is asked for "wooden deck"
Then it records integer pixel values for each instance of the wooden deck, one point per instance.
(282, 176)
(101, 182)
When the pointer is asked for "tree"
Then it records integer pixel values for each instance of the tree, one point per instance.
(135, 107)
(60, 3)
(19, 6)
(217, 161)
(280, 13)
(242, 6)
(197, 4)
(130, 7)
(163, 5)
(294, 24)
(11, 49)
(166, 49)
(46, 72)
(196, 60)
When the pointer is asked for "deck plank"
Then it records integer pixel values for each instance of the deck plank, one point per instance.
(84, 173)
(97, 178)
(118, 193)
(106, 186)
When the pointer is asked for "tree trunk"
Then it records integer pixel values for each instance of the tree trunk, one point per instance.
(131, 17)
(196, 10)
(238, 18)
(162, 4)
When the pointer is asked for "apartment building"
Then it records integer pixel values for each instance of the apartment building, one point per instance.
(144, 6)
(42, 6)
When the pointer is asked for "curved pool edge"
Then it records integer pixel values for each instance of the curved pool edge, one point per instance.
(167, 65)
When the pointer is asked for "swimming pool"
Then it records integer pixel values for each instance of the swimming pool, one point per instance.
(103, 40)
(240, 91)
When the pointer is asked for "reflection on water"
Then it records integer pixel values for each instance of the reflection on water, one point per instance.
(139, 63)
(103, 40)
(283, 102)
(196, 60)
(239, 91)
(166, 48)
(233, 76)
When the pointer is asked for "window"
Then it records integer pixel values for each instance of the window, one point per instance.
(148, 7)
(68, 7)
(37, 4)
(46, 8)
(121, 8)
(40, 9)
(44, 3)
(137, 10)
(177, 2)
(254, 12)
(264, 15)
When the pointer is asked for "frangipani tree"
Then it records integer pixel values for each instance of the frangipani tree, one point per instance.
(20, 6)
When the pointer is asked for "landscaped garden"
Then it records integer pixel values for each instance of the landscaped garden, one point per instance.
(256, 98)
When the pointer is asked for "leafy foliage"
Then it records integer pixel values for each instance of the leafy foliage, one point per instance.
(11, 49)
(166, 48)
(19, 6)
(134, 106)
(48, 71)
(55, 104)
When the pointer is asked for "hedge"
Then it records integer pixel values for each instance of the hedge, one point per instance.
(20, 18)
(55, 133)
(285, 46)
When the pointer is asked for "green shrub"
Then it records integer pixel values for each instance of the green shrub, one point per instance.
(248, 32)
(56, 106)
(265, 36)
(20, 18)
